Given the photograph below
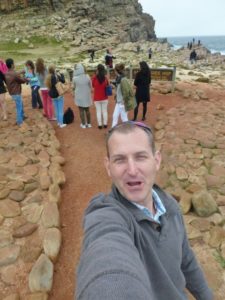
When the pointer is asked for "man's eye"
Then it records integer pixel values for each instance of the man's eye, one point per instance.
(141, 157)
(119, 160)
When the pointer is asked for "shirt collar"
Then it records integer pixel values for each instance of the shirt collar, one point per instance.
(159, 206)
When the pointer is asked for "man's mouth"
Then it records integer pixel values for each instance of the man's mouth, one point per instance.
(134, 183)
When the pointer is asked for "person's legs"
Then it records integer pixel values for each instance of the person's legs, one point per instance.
(34, 96)
(123, 114)
(44, 95)
(98, 112)
(60, 109)
(105, 112)
(40, 105)
(144, 110)
(3, 106)
(19, 108)
(55, 102)
(88, 115)
(116, 114)
(82, 117)
(50, 108)
(136, 112)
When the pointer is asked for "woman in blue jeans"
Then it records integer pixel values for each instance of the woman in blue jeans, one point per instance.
(58, 100)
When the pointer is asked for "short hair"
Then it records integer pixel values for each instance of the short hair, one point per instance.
(9, 63)
(130, 126)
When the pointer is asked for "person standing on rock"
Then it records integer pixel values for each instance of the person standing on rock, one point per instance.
(82, 94)
(142, 83)
(135, 243)
(109, 59)
(13, 82)
(42, 73)
(99, 84)
(58, 101)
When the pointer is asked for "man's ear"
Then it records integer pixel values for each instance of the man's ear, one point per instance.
(106, 163)
(158, 159)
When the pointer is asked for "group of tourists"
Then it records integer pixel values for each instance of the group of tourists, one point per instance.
(86, 90)
(39, 77)
(125, 97)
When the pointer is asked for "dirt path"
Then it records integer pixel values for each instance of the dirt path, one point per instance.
(84, 151)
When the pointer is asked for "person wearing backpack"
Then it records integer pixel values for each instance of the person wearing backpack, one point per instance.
(125, 100)
(142, 83)
(99, 84)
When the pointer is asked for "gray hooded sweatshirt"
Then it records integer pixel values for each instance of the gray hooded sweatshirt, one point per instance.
(82, 85)
(127, 256)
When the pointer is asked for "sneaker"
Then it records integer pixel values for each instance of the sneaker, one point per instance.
(99, 127)
(82, 126)
(52, 119)
(89, 126)
(105, 126)
(62, 125)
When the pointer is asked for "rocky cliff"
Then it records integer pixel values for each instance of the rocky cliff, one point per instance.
(97, 22)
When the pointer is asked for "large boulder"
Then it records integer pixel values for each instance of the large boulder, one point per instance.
(204, 204)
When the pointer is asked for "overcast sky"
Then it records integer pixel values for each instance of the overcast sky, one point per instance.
(186, 18)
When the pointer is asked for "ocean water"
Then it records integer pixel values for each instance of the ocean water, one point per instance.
(213, 43)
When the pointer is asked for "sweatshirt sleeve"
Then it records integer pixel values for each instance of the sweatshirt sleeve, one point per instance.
(195, 280)
(110, 266)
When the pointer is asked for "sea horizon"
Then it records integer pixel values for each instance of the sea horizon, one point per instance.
(215, 43)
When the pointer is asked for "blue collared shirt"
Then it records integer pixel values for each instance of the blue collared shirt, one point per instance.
(159, 207)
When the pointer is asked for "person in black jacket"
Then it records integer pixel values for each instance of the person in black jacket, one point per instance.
(142, 83)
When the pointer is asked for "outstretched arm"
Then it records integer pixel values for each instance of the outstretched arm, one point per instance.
(110, 266)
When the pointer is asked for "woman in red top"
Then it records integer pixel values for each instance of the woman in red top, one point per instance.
(99, 83)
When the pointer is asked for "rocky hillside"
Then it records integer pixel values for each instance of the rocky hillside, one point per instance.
(80, 22)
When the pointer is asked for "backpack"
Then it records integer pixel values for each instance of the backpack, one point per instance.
(68, 116)
(128, 94)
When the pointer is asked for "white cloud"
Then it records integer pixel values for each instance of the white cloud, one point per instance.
(186, 18)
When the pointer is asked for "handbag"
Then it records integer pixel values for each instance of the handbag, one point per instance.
(108, 90)
(62, 88)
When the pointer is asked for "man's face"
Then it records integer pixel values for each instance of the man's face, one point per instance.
(132, 165)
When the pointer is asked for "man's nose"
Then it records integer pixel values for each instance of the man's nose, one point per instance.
(131, 167)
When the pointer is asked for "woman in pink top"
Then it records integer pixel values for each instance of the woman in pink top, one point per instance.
(3, 70)
(99, 83)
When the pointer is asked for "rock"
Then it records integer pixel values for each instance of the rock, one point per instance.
(32, 212)
(8, 274)
(41, 275)
(50, 215)
(204, 204)
(17, 195)
(1, 219)
(12, 297)
(30, 187)
(181, 173)
(37, 296)
(52, 242)
(59, 177)
(54, 193)
(4, 193)
(24, 230)
(201, 224)
(9, 254)
(9, 208)
(16, 185)
(217, 236)
(30, 253)
(45, 180)
(5, 238)
(58, 159)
